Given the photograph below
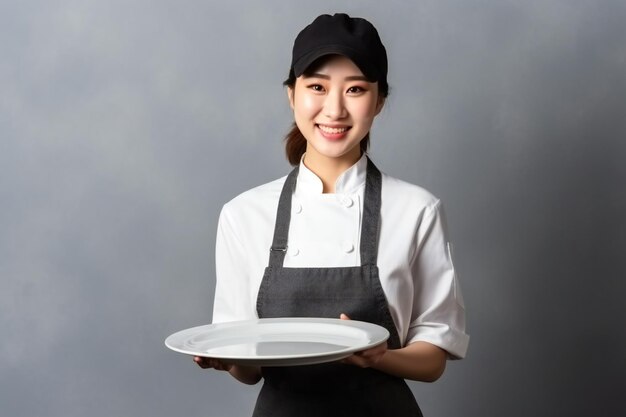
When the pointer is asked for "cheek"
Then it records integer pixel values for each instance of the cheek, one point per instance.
(306, 104)
(364, 111)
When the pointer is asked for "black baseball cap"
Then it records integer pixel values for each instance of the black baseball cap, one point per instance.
(352, 37)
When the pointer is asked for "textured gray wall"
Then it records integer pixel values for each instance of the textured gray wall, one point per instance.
(125, 125)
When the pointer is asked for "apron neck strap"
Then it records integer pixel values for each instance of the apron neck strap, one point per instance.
(370, 226)
(283, 218)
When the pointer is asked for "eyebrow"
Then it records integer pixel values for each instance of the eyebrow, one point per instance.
(327, 77)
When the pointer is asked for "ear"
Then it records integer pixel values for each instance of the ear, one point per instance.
(380, 104)
(290, 94)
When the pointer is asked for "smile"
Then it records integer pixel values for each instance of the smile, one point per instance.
(333, 130)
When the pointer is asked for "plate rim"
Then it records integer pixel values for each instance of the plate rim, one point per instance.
(380, 335)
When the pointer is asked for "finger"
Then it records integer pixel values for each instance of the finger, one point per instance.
(221, 366)
(369, 357)
(367, 354)
(206, 363)
(343, 316)
(357, 361)
(349, 360)
(368, 360)
(202, 362)
(375, 351)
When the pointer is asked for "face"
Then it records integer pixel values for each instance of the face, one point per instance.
(334, 109)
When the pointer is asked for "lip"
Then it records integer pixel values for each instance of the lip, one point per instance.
(333, 136)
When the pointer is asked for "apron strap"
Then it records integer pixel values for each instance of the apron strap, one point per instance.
(369, 228)
(283, 218)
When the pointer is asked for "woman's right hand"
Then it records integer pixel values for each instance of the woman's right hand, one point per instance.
(246, 374)
(212, 363)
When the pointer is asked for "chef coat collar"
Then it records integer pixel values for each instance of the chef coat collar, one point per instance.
(347, 183)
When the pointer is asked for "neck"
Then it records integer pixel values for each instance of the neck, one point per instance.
(328, 169)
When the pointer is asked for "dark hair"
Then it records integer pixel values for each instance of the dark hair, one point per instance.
(295, 142)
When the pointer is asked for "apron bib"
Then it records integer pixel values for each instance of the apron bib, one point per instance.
(331, 389)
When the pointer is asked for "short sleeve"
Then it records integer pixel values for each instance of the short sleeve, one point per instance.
(232, 289)
(438, 314)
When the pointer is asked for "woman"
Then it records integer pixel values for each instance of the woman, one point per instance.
(346, 242)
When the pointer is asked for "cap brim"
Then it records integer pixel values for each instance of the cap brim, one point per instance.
(305, 61)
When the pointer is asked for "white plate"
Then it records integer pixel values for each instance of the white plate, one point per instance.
(278, 342)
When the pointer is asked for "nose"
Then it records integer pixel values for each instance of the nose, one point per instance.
(334, 107)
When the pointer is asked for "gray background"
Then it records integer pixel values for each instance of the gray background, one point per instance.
(125, 125)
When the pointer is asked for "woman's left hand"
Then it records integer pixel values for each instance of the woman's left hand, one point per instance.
(368, 357)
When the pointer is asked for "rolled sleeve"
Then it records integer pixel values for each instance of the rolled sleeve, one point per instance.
(438, 314)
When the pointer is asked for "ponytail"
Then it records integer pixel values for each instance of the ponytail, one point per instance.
(295, 145)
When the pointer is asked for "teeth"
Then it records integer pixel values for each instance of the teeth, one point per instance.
(333, 130)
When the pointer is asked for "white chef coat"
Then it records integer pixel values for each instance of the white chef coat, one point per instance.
(414, 257)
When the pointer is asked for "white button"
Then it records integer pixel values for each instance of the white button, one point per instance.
(293, 251)
(347, 201)
(297, 208)
(348, 247)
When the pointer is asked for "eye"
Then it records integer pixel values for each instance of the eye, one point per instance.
(356, 90)
(316, 87)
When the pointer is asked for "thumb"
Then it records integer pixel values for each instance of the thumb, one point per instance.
(343, 316)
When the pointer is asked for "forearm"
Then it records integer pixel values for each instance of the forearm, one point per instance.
(419, 361)
(247, 374)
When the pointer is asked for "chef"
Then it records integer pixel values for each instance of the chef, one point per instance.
(338, 238)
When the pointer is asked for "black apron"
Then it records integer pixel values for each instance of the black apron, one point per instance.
(331, 389)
